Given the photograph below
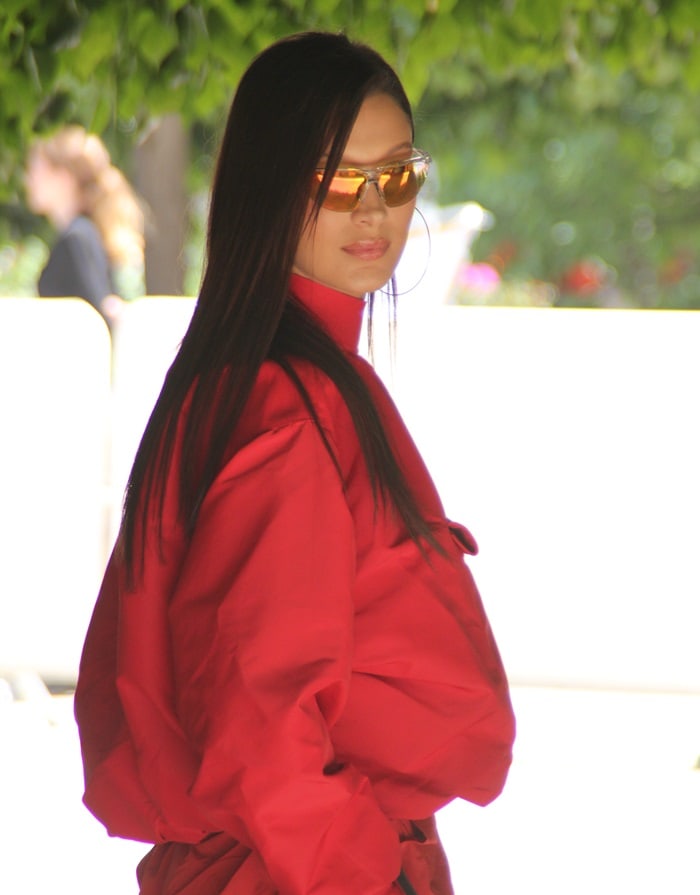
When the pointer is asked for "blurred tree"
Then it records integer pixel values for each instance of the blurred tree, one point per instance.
(105, 61)
(594, 184)
(119, 63)
(115, 65)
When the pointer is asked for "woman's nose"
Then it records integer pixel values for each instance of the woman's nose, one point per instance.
(371, 199)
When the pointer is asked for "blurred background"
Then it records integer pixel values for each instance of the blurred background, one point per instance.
(573, 123)
(547, 365)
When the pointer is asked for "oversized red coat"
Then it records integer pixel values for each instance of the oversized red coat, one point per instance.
(284, 700)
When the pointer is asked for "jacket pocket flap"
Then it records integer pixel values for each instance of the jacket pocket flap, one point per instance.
(463, 538)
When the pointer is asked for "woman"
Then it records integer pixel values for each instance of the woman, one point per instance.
(289, 669)
(70, 179)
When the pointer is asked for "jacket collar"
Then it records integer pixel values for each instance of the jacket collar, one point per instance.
(339, 313)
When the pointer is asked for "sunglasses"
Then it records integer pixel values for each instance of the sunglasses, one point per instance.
(397, 183)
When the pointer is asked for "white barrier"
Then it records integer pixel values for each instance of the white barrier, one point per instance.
(145, 343)
(54, 396)
(566, 440)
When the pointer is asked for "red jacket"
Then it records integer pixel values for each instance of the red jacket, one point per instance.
(282, 694)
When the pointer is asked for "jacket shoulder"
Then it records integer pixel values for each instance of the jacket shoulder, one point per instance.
(277, 400)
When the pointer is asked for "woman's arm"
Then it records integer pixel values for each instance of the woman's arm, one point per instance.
(262, 623)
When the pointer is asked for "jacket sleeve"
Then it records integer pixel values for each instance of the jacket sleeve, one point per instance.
(262, 636)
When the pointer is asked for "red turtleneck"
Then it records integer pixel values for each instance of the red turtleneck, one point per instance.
(287, 694)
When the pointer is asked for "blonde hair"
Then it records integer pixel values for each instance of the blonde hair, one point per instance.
(105, 194)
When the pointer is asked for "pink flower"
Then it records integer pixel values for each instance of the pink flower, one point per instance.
(478, 277)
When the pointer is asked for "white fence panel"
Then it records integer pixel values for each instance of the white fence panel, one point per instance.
(146, 341)
(568, 440)
(54, 400)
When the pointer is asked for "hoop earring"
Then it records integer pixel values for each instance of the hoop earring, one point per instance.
(390, 293)
(395, 294)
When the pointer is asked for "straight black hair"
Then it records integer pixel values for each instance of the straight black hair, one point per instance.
(298, 100)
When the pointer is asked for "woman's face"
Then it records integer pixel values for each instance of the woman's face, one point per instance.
(37, 182)
(50, 188)
(356, 252)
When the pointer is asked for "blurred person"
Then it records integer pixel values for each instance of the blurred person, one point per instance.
(70, 179)
(289, 669)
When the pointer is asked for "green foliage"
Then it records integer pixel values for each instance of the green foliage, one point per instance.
(562, 116)
(573, 121)
(115, 64)
(588, 172)
(146, 59)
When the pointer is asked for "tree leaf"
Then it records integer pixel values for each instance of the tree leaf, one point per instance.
(98, 41)
(157, 40)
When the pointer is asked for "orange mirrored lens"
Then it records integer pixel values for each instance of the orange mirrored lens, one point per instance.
(344, 191)
(398, 185)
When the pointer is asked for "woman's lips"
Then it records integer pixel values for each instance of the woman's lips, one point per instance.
(367, 249)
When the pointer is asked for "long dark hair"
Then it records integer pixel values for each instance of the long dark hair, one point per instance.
(298, 100)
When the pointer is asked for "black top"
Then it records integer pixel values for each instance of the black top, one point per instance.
(78, 265)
